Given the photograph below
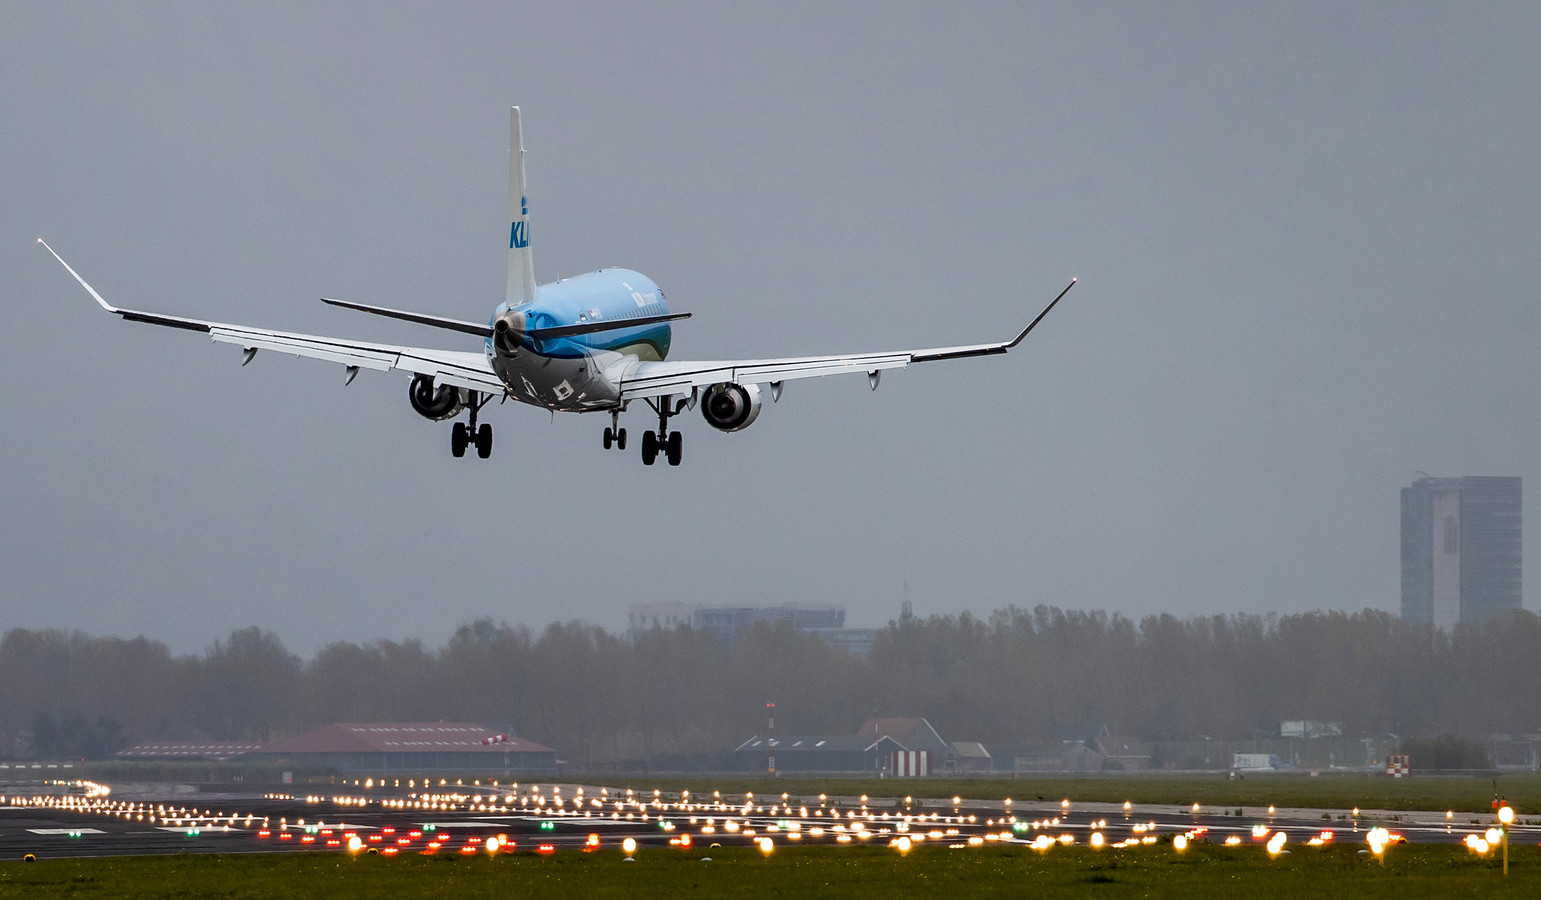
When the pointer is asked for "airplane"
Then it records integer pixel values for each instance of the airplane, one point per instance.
(596, 342)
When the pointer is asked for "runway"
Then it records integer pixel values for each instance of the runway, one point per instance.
(83, 819)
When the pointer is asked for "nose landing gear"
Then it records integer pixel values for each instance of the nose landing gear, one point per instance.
(463, 435)
(615, 435)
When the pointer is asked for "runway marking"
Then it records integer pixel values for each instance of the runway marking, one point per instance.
(66, 831)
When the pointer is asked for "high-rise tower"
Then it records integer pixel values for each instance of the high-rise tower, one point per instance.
(1460, 549)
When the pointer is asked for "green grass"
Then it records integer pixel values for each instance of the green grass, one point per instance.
(1204, 870)
(1328, 791)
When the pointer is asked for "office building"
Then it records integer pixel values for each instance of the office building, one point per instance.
(1460, 549)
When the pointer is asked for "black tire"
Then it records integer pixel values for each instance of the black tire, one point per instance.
(458, 438)
(620, 439)
(676, 448)
(649, 448)
(484, 441)
(609, 437)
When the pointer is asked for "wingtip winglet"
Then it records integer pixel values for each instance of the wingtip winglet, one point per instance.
(89, 289)
(1018, 339)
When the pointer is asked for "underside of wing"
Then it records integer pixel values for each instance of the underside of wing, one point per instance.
(461, 369)
(458, 368)
(653, 379)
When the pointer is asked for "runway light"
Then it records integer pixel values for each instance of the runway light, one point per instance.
(1276, 843)
(766, 845)
(1493, 835)
(1098, 840)
(1506, 815)
(1180, 843)
(354, 844)
(902, 844)
(629, 846)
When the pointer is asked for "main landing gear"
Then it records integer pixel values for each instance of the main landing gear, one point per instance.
(463, 434)
(663, 441)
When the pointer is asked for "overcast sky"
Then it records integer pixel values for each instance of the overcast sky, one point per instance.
(1307, 238)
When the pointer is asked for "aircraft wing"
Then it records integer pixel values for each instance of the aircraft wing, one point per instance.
(652, 379)
(461, 369)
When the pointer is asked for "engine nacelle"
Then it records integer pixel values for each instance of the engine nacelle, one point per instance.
(731, 407)
(439, 403)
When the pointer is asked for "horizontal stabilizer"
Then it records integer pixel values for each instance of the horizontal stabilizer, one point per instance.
(475, 328)
(561, 331)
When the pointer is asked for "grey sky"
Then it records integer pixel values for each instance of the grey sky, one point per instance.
(1307, 238)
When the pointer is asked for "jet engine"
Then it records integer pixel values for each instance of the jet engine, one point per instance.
(437, 404)
(731, 407)
(508, 332)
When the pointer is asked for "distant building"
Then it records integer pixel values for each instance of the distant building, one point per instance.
(402, 747)
(1461, 549)
(971, 756)
(855, 641)
(216, 751)
(728, 623)
(1309, 730)
(1123, 753)
(816, 753)
(871, 749)
(909, 733)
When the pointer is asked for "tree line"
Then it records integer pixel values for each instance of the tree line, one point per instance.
(676, 696)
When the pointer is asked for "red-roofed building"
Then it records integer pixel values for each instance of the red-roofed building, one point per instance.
(386, 747)
(909, 734)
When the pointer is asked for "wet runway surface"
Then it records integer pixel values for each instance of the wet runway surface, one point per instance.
(84, 820)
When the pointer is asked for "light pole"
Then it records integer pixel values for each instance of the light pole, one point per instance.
(770, 739)
(1505, 818)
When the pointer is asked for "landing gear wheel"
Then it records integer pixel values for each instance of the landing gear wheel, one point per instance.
(609, 437)
(675, 445)
(620, 439)
(458, 438)
(649, 448)
(484, 441)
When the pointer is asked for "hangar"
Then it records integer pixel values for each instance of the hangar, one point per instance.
(383, 748)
